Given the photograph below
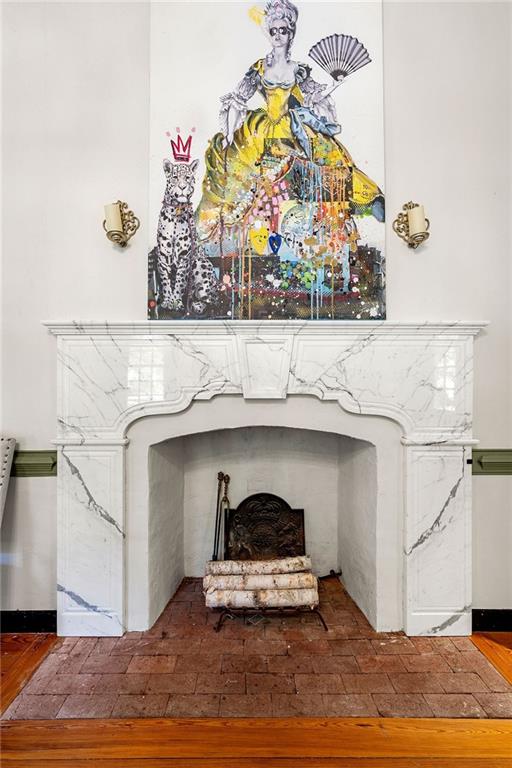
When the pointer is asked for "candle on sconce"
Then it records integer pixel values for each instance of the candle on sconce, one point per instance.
(416, 220)
(113, 220)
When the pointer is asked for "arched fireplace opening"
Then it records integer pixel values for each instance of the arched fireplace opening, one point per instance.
(310, 453)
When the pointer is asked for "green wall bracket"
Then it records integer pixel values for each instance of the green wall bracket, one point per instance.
(34, 464)
(493, 461)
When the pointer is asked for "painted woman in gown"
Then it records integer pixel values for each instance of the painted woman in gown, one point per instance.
(280, 192)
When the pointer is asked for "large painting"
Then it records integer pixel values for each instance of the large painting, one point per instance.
(267, 165)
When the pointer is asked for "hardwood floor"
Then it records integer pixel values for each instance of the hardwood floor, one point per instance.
(244, 742)
(266, 763)
(497, 647)
(21, 654)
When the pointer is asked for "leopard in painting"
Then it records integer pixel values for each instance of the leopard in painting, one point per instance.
(186, 275)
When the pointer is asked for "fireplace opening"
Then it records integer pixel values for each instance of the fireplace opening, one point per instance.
(340, 478)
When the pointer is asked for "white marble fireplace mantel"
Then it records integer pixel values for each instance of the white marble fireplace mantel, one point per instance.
(420, 375)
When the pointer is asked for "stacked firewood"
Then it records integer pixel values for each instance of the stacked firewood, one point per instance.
(258, 584)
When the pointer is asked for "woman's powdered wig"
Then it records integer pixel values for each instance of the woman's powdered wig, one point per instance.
(277, 10)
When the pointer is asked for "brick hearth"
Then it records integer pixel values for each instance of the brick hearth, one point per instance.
(279, 667)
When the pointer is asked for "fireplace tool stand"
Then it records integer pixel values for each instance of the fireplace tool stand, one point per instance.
(220, 510)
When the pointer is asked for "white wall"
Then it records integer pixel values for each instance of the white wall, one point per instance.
(448, 102)
(75, 136)
(28, 562)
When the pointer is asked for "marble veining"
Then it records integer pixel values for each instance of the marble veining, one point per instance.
(436, 526)
(80, 600)
(91, 503)
(427, 381)
(445, 625)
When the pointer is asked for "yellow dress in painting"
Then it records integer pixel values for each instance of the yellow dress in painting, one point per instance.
(296, 122)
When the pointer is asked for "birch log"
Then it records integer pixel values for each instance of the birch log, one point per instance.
(286, 565)
(262, 598)
(260, 581)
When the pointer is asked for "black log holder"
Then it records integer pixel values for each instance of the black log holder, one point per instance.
(232, 613)
(262, 527)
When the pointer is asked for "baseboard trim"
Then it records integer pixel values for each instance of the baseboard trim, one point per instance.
(492, 619)
(28, 621)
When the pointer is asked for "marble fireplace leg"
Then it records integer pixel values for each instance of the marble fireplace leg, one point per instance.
(90, 538)
(437, 541)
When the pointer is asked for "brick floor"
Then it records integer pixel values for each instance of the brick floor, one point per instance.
(402, 705)
(248, 705)
(127, 683)
(298, 705)
(377, 683)
(417, 682)
(42, 707)
(350, 705)
(428, 662)
(258, 664)
(273, 667)
(378, 663)
(454, 705)
(147, 705)
(271, 683)
(232, 682)
(496, 704)
(81, 705)
(193, 705)
(73, 683)
(156, 664)
(319, 683)
(173, 683)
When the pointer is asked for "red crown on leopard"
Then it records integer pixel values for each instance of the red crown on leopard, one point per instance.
(181, 150)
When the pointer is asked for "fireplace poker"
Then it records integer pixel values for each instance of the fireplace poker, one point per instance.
(224, 505)
(220, 480)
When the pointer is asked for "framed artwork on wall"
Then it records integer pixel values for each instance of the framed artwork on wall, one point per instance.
(267, 161)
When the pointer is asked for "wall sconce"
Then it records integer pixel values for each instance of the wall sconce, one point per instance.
(120, 223)
(412, 226)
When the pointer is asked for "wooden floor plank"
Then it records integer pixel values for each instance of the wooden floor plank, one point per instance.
(245, 738)
(21, 655)
(267, 763)
(14, 643)
(497, 647)
(13, 647)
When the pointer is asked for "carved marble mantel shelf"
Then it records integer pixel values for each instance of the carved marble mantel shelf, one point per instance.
(418, 374)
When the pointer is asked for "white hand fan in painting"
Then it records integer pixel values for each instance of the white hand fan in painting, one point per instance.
(340, 55)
